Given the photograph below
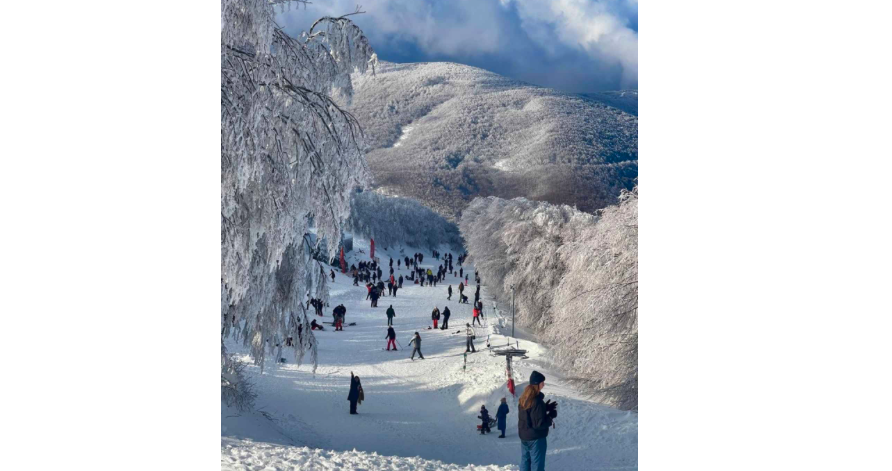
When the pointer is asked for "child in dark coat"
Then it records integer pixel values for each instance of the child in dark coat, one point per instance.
(484, 415)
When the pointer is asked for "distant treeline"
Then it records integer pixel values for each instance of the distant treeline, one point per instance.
(392, 221)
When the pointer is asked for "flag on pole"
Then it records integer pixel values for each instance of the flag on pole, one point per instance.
(373, 250)
(343, 262)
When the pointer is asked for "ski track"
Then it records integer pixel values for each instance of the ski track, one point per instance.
(423, 408)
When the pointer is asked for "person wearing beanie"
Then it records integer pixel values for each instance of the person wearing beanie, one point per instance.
(533, 421)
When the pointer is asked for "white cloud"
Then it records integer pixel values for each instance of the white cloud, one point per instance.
(471, 28)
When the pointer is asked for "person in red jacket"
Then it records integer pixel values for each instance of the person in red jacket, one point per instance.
(476, 316)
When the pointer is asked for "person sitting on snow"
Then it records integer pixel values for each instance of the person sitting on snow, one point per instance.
(315, 326)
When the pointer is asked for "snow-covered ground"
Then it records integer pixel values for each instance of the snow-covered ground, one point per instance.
(418, 414)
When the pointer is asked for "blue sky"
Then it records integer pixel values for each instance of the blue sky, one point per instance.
(570, 45)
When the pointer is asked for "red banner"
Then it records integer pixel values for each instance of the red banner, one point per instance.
(373, 250)
(343, 262)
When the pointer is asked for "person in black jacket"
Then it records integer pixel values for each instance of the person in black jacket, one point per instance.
(533, 420)
(484, 415)
(446, 315)
(391, 338)
(356, 393)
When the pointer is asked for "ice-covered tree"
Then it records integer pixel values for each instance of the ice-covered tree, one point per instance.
(393, 220)
(288, 153)
(575, 278)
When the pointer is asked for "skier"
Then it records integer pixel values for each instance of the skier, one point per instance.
(461, 272)
(401, 281)
(332, 276)
(449, 298)
(395, 287)
(461, 289)
(476, 316)
(368, 286)
(417, 341)
(390, 315)
(391, 340)
(471, 335)
(501, 416)
(390, 288)
(533, 420)
(435, 316)
(356, 394)
(484, 415)
(446, 315)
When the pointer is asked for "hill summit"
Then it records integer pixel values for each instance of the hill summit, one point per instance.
(444, 133)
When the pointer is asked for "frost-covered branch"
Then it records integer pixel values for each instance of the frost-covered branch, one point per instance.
(289, 153)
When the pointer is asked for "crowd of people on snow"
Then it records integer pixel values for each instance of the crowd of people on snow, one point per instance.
(536, 415)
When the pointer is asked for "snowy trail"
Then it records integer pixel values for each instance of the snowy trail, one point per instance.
(422, 408)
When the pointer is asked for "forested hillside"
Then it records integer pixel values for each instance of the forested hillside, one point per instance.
(446, 133)
(575, 280)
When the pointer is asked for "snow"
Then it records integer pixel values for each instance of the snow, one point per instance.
(417, 414)
(405, 133)
(443, 133)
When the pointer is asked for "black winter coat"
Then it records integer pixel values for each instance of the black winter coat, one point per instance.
(533, 423)
(355, 387)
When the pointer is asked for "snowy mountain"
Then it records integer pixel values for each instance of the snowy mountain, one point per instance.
(444, 133)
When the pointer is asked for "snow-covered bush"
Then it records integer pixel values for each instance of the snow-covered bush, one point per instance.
(236, 390)
(575, 277)
(288, 153)
(393, 220)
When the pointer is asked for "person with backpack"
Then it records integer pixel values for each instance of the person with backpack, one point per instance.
(484, 415)
(417, 341)
(391, 338)
(356, 395)
(470, 336)
(533, 421)
(435, 316)
(501, 416)
(390, 315)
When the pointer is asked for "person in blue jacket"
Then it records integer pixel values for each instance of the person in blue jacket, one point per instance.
(501, 416)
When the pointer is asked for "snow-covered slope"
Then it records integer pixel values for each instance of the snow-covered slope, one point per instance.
(420, 414)
(444, 133)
